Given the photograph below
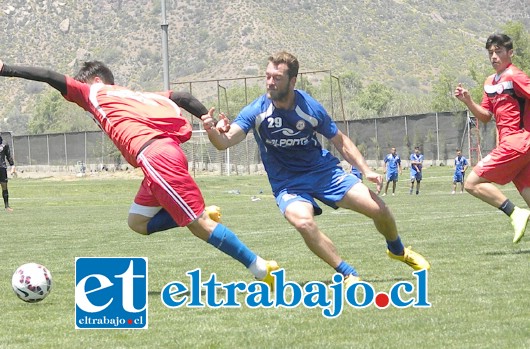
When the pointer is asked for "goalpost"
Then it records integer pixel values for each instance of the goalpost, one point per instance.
(205, 159)
(473, 138)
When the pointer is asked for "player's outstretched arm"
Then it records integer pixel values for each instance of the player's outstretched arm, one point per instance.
(464, 96)
(188, 102)
(221, 134)
(54, 79)
(351, 153)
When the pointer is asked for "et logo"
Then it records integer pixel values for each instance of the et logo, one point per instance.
(111, 293)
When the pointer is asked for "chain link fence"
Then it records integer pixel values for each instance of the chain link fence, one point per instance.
(437, 134)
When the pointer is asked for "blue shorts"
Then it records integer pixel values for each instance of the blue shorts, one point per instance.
(391, 176)
(415, 176)
(458, 177)
(327, 186)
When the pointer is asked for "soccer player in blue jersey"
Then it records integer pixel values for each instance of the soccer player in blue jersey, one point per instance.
(392, 170)
(285, 122)
(416, 165)
(461, 165)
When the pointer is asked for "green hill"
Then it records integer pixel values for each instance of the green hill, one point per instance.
(403, 44)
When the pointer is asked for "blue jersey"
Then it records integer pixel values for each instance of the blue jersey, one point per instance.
(392, 163)
(460, 163)
(415, 170)
(418, 158)
(287, 139)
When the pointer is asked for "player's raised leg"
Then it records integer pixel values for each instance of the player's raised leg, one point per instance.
(222, 238)
(491, 194)
(360, 199)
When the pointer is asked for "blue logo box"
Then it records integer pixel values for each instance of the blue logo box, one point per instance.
(111, 293)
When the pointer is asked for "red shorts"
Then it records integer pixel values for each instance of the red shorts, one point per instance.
(167, 182)
(505, 164)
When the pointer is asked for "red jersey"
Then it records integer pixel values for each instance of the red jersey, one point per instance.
(508, 97)
(130, 118)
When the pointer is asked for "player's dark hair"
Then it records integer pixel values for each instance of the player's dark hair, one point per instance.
(286, 58)
(499, 40)
(92, 69)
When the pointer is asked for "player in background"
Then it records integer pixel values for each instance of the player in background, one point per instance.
(416, 167)
(285, 122)
(392, 170)
(355, 171)
(461, 165)
(148, 129)
(506, 98)
(5, 158)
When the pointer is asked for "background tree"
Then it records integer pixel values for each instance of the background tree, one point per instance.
(15, 121)
(521, 44)
(481, 68)
(442, 93)
(54, 115)
(376, 97)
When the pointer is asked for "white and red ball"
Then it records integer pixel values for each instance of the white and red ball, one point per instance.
(32, 282)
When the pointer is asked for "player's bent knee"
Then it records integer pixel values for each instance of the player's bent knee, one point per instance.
(304, 225)
(470, 186)
(137, 225)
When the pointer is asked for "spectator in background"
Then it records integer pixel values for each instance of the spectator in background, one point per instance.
(416, 166)
(392, 170)
(461, 165)
(356, 173)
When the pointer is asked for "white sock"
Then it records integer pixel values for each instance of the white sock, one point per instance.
(258, 268)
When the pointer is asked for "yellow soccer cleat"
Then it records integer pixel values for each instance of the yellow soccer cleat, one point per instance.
(269, 278)
(519, 218)
(411, 258)
(214, 212)
(350, 280)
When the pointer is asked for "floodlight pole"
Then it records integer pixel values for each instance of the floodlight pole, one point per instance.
(165, 54)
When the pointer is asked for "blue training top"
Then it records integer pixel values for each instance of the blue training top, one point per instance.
(392, 163)
(414, 157)
(287, 139)
(460, 163)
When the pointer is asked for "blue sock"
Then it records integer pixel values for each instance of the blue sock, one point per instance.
(396, 246)
(162, 220)
(346, 269)
(226, 241)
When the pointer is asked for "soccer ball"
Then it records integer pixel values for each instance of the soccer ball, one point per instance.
(32, 282)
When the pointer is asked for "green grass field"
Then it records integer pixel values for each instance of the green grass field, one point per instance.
(478, 285)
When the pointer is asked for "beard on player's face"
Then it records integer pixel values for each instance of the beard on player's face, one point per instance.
(279, 95)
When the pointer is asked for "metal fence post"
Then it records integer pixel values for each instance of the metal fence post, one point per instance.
(437, 140)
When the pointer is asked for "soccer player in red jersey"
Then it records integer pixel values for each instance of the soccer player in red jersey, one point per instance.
(507, 99)
(148, 129)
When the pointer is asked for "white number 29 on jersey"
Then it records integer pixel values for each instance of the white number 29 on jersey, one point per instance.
(275, 122)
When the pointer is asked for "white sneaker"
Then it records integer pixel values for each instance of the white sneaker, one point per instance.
(453, 192)
(519, 218)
